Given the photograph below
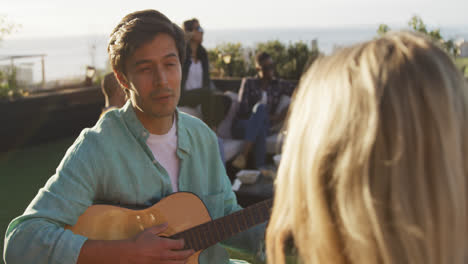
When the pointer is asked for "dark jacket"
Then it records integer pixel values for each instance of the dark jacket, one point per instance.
(202, 55)
(250, 93)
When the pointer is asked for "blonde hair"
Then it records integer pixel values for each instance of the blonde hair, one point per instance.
(373, 164)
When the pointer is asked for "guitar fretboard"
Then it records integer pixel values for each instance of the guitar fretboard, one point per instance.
(210, 233)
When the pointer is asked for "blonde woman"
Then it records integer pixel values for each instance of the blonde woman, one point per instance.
(373, 167)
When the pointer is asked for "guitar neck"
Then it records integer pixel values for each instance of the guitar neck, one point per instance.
(210, 233)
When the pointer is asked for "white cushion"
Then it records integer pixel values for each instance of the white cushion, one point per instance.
(283, 103)
(232, 147)
(273, 144)
(224, 128)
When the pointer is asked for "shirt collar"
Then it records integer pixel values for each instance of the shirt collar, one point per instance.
(182, 133)
(142, 134)
(133, 123)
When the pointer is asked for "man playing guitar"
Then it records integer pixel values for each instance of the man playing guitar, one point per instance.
(135, 155)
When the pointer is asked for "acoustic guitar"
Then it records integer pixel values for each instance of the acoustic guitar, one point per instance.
(185, 213)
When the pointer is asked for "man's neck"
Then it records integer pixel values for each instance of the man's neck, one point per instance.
(264, 83)
(155, 125)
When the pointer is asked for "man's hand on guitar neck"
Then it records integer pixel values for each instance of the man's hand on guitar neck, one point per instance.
(146, 247)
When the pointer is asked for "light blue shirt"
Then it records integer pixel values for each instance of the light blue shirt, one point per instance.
(112, 163)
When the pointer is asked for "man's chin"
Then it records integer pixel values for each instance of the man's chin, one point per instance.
(163, 114)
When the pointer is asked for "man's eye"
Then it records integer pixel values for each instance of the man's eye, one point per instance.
(144, 69)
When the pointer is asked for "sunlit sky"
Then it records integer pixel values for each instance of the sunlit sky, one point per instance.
(65, 17)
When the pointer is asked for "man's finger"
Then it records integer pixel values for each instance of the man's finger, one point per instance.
(174, 244)
(158, 228)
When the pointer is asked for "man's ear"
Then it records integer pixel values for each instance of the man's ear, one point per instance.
(258, 67)
(121, 78)
(259, 70)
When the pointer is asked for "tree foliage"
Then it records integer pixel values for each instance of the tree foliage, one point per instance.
(417, 24)
(229, 60)
(290, 60)
(6, 27)
(383, 29)
(8, 83)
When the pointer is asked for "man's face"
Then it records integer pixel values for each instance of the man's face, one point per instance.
(153, 77)
(266, 69)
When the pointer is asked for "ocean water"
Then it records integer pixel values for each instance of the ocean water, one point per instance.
(67, 57)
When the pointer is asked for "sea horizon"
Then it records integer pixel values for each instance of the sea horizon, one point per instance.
(68, 56)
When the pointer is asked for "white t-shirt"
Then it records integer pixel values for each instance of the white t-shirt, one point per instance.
(264, 98)
(164, 148)
(195, 76)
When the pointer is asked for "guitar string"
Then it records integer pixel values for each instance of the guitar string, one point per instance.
(204, 238)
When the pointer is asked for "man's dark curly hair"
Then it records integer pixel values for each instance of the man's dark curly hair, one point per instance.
(262, 56)
(138, 28)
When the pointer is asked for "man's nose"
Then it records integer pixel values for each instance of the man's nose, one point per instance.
(159, 77)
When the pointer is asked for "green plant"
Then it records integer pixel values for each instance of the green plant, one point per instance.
(4, 91)
(300, 57)
(6, 27)
(462, 64)
(228, 60)
(292, 60)
(417, 24)
(233, 60)
(9, 85)
(382, 29)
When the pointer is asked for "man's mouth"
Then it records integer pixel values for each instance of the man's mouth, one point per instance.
(163, 96)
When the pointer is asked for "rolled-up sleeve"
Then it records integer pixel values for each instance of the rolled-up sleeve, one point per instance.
(38, 236)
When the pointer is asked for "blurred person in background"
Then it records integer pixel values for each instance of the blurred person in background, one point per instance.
(114, 95)
(263, 104)
(197, 90)
(195, 86)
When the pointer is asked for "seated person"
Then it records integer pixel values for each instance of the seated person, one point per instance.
(374, 161)
(259, 99)
(114, 95)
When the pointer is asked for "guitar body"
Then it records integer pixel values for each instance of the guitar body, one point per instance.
(182, 211)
